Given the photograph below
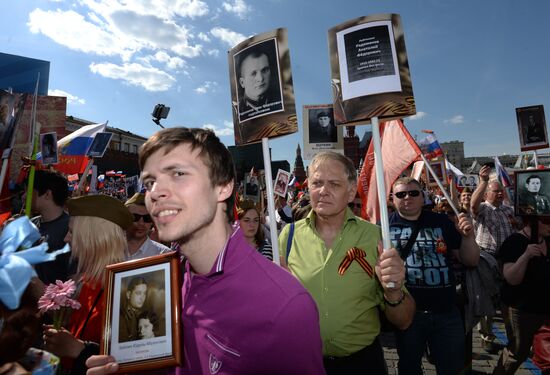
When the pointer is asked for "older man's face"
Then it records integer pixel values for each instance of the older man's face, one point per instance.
(329, 188)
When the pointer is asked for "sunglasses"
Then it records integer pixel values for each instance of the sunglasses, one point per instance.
(403, 194)
(146, 218)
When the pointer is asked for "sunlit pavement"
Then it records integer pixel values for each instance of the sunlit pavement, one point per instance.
(482, 361)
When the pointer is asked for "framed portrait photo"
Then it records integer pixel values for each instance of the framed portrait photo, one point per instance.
(142, 319)
(320, 133)
(532, 128)
(281, 183)
(532, 196)
(440, 171)
(48, 148)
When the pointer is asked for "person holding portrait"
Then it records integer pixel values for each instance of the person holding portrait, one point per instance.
(96, 234)
(242, 314)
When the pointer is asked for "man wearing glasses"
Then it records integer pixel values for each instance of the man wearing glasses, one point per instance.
(428, 241)
(139, 243)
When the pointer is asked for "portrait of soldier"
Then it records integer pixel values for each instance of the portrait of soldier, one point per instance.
(130, 309)
(531, 200)
(257, 76)
(321, 127)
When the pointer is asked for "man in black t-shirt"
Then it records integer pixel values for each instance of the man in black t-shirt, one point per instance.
(526, 270)
(429, 279)
(48, 201)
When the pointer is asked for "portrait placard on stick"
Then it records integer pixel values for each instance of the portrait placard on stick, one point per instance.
(99, 144)
(150, 287)
(281, 183)
(439, 168)
(320, 133)
(533, 134)
(48, 148)
(262, 93)
(369, 70)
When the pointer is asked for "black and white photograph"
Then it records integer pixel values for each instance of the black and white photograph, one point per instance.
(533, 192)
(321, 126)
(533, 134)
(11, 110)
(320, 133)
(142, 313)
(99, 145)
(468, 180)
(257, 80)
(48, 148)
(262, 91)
(281, 182)
(252, 187)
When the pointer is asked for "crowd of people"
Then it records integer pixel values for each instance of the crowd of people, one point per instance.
(322, 310)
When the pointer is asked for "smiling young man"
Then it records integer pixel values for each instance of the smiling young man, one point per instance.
(334, 254)
(242, 314)
(428, 241)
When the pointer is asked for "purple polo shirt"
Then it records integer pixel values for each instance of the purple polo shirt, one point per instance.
(248, 316)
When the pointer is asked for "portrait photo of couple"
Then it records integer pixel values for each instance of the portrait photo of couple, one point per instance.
(141, 311)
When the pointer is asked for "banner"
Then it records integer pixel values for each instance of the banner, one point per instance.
(394, 136)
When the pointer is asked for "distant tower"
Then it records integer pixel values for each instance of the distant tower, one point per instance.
(351, 146)
(299, 170)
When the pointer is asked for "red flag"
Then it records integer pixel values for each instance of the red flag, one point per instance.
(399, 150)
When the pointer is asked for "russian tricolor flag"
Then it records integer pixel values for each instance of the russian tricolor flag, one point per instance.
(430, 147)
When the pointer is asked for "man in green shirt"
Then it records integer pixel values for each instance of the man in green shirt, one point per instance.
(338, 257)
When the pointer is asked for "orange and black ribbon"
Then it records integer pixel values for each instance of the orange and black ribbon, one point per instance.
(359, 255)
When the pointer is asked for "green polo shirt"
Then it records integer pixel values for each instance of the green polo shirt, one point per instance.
(348, 304)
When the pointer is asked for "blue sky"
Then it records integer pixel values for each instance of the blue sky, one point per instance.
(472, 62)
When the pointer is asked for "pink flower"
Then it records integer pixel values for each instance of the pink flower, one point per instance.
(57, 298)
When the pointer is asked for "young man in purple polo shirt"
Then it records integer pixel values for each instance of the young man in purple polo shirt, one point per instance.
(241, 313)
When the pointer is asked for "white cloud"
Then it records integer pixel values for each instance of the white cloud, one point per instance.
(206, 87)
(226, 130)
(113, 28)
(171, 62)
(164, 9)
(71, 99)
(214, 52)
(204, 37)
(419, 115)
(149, 78)
(458, 119)
(70, 29)
(239, 7)
(229, 37)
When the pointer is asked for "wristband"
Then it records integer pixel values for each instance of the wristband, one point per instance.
(395, 303)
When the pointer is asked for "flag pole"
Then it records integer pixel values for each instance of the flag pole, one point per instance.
(270, 201)
(381, 186)
(441, 187)
(35, 135)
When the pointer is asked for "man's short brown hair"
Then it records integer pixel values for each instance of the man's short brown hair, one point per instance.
(213, 153)
(406, 181)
